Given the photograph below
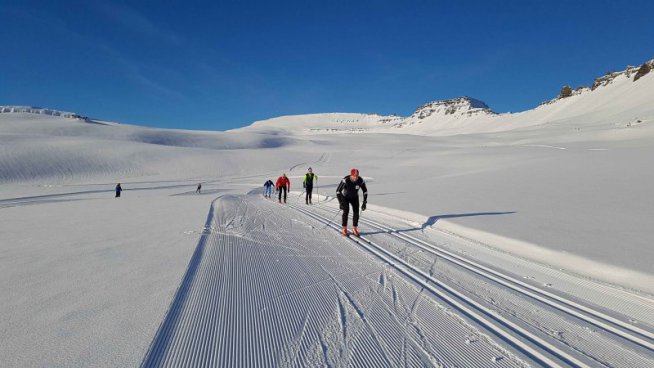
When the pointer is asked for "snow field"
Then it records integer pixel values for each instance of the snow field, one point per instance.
(85, 280)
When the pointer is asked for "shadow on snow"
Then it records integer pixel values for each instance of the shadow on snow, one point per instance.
(432, 220)
(163, 338)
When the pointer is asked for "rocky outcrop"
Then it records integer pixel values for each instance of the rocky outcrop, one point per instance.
(644, 69)
(566, 91)
(456, 106)
(602, 81)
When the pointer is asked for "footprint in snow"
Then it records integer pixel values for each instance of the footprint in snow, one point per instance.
(470, 340)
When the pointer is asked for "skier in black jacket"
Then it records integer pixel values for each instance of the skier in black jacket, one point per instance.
(309, 179)
(348, 194)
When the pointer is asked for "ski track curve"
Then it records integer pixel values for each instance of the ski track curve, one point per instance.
(323, 159)
(269, 286)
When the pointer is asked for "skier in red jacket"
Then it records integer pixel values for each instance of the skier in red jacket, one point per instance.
(283, 184)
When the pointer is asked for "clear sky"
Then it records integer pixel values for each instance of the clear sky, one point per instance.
(221, 64)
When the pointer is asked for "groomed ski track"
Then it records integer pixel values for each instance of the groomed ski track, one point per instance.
(276, 285)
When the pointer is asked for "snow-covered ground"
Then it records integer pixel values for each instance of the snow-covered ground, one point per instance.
(490, 239)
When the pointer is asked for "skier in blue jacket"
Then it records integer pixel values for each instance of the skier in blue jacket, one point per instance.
(267, 188)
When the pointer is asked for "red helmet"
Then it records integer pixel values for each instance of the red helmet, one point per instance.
(354, 172)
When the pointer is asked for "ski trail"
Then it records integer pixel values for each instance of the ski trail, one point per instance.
(268, 287)
(323, 159)
(296, 166)
(591, 331)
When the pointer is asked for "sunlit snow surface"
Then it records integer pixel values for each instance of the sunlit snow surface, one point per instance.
(558, 198)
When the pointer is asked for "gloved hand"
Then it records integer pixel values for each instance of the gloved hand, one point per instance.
(304, 186)
(363, 206)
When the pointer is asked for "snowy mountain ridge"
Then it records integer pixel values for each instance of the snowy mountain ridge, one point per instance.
(636, 71)
(614, 99)
(456, 106)
(42, 111)
(627, 95)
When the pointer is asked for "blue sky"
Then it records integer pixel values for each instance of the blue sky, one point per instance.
(221, 64)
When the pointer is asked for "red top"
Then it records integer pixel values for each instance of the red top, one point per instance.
(283, 182)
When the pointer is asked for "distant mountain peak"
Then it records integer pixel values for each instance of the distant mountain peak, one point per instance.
(455, 106)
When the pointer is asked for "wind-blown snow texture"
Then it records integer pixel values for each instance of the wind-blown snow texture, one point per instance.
(550, 210)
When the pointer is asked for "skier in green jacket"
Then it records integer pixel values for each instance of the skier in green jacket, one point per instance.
(307, 183)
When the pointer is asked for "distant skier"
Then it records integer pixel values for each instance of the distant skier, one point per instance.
(348, 194)
(283, 184)
(309, 178)
(199, 189)
(118, 190)
(267, 188)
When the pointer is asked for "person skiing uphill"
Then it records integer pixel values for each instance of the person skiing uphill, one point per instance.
(267, 188)
(283, 184)
(309, 178)
(119, 189)
(348, 194)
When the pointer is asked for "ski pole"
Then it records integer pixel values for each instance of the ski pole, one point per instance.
(332, 219)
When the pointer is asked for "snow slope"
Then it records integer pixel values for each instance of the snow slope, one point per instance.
(509, 239)
(45, 148)
(615, 99)
(322, 123)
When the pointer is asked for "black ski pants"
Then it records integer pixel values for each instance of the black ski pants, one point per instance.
(280, 193)
(355, 210)
(308, 196)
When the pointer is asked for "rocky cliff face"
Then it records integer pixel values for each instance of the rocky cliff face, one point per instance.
(644, 70)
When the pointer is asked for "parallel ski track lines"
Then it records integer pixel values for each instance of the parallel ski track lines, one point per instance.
(192, 343)
(631, 333)
(640, 307)
(600, 346)
(369, 345)
(254, 297)
(545, 353)
(446, 350)
(632, 304)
